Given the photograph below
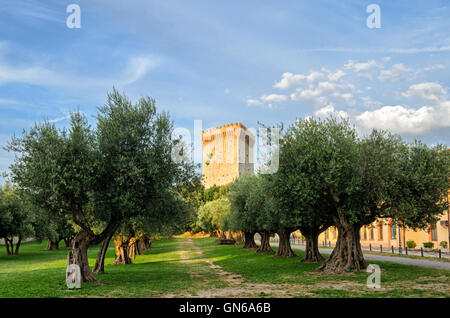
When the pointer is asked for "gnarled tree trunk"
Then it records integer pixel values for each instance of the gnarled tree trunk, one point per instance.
(18, 246)
(81, 242)
(228, 235)
(122, 253)
(347, 254)
(249, 240)
(312, 254)
(132, 248)
(221, 234)
(78, 255)
(8, 247)
(99, 267)
(143, 244)
(9, 244)
(239, 238)
(284, 246)
(265, 243)
(52, 245)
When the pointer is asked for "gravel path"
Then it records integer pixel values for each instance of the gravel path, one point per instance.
(392, 259)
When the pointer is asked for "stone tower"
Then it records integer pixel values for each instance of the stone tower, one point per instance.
(227, 153)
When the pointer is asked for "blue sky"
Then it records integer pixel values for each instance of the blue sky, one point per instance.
(229, 61)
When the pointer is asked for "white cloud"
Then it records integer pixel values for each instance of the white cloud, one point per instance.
(137, 68)
(434, 68)
(336, 75)
(290, 80)
(398, 71)
(313, 76)
(325, 92)
(253, 102)
(331, 92)
(368, 102)
(38, 74)
(358, 67)
(267, 99)
(404, 120)
(398, 119)
(329, 111)
(57, 120)
(432, 92)
(273, 98)
(29, 75)
(362, 69)
(412, 50)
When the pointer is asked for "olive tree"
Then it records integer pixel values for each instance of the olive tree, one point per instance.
(98, 177)
(370, 177)
(242, 218)
(16, 219)
(213, 217)
(303, 199)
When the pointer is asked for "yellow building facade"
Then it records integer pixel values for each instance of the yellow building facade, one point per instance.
(227, 154)
(385, 233)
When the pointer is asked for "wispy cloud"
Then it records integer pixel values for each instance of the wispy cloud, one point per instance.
(57, 120)
(381, 50)
(136, 68)
(32, 11)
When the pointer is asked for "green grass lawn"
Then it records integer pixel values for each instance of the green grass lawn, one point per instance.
(199, 268)
(396, 280)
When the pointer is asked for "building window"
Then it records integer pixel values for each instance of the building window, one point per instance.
(393, 231)
(380, 230)
(433, 232)
(371, 232)
(365, 233)
(247, 149)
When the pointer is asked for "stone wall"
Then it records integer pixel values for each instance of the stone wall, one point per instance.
(227, 153)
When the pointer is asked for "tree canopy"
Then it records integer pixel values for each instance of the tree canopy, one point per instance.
(16, 219)
(99, 177)
(213, 216)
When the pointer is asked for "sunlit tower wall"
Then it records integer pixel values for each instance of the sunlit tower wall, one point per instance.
(227, 154)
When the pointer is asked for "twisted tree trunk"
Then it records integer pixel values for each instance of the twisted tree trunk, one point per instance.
(221, 235)
(143, 244)
(284, 247)
(122, 256)
(81, 242)
(8, 247)
(132, 248)
(99, 267)
(347, 254)
(312, 254)
(265, 243)
(78, 255)
(249, 240)
(239, 238)
(52, 245)
(18, 246)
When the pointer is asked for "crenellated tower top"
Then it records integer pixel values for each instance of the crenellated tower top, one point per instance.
(227, 153)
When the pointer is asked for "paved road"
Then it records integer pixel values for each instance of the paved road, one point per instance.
(392, 259)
